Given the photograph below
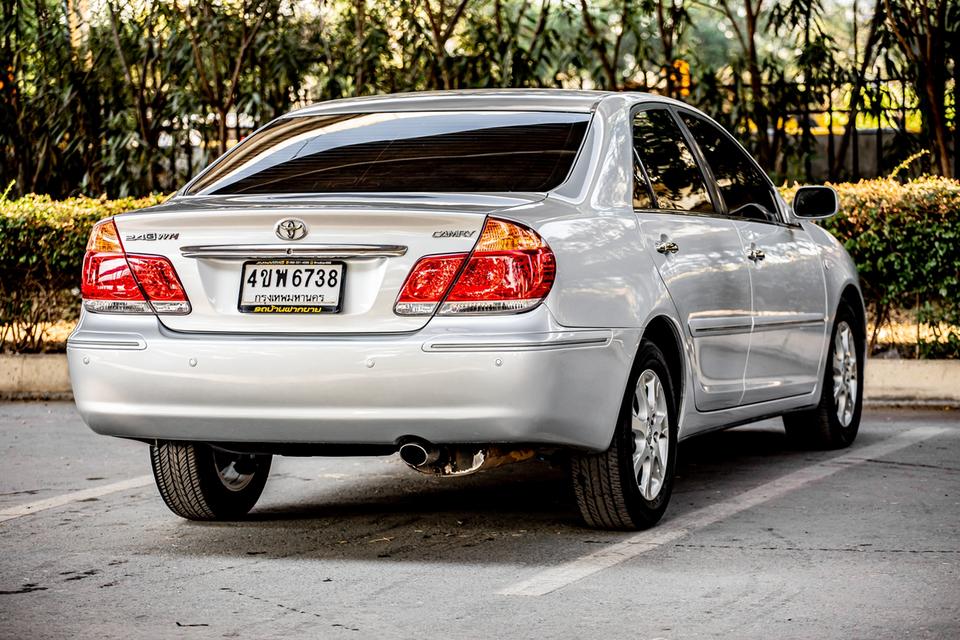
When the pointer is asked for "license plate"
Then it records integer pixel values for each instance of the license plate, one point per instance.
(291, 286)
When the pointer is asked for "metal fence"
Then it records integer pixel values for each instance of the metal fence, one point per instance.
(887, 131)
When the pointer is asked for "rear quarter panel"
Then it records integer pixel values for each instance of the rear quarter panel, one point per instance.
(605, 276)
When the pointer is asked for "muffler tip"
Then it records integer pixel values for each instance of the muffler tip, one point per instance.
(418, 455)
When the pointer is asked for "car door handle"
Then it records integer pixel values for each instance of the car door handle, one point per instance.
(756, 254)
(667, 247)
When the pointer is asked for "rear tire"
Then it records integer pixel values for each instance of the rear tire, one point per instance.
(198, 482)
(628, 486)
(835, 421)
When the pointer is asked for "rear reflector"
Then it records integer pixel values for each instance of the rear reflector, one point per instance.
(510, 270)
(116, 282)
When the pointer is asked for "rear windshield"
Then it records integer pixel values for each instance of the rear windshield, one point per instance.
(402, 151)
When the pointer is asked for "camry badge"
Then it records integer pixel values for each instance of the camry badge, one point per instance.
(291, 229)
(454, 233)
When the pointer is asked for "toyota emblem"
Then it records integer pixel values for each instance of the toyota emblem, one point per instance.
(291, 229)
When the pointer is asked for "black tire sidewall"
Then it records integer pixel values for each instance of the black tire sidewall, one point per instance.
(225, 503)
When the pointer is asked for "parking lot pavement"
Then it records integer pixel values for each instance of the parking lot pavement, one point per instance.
(760, 541)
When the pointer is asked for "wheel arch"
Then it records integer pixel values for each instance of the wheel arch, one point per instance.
(852, 298)
(662, 331)
(851, 295)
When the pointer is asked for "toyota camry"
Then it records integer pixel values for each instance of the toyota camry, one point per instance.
(469, 279)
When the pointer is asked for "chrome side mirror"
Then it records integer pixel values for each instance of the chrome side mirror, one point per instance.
(815, 202)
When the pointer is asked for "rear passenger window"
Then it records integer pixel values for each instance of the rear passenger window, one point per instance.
(642, 196)
(674, 175)
(743, 186)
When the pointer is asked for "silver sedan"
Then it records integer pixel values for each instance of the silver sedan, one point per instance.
(469, 279)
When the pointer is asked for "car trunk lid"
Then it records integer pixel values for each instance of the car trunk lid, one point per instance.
(376, 240)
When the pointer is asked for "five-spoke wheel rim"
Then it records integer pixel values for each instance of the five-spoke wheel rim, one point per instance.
(235, 471)
(651, 435)
(844, 373)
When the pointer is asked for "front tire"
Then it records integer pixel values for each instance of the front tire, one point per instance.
(199, 482)
(835, 421)
(628, 486)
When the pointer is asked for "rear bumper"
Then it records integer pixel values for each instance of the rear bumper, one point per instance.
(513, 379)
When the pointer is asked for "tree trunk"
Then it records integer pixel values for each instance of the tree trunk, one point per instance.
(921, 32)
(956, 105)
(756, 88)
(938, 123)
(222, 130)
(839, 160)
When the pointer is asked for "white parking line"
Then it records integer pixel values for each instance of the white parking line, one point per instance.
(560, 576)
(9, 513)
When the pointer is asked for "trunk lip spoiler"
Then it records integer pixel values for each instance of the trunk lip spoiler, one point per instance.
(326, 251)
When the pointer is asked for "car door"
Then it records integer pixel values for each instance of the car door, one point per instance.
(789, 292)
(698, 254)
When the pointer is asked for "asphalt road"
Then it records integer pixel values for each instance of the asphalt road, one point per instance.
(760, 542)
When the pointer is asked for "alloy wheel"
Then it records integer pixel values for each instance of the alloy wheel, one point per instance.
(651, 434)
(235, 471)
(844, 373)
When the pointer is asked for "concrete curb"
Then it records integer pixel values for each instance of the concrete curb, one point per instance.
(41, 376)
(927, 383)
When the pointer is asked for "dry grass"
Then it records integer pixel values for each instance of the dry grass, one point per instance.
(54, 336)
(902, 333)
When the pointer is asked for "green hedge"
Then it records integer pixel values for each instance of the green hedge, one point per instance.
(905, 239)
(43, 242)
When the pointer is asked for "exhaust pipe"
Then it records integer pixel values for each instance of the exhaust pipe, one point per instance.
(419, 455)
(458, 460)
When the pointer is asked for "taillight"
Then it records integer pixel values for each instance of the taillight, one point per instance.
(114, 281)
(427, 283)
(510, 270)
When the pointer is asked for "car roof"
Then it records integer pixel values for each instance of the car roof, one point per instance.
(568, 100)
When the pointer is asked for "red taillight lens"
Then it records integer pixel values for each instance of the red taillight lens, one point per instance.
(427, 284)
(107, 276)
(160, 283)
(515, 275)
(115, 282)
(510, 270)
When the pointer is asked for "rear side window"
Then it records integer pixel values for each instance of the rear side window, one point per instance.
(446, 151)
(642, 195)
(674, 175)
(744, 188)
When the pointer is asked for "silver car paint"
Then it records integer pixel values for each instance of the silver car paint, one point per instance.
(553, 376)
(473, 99)
(507, 379)
(789, 312)
(371, 285)
(709, 282)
